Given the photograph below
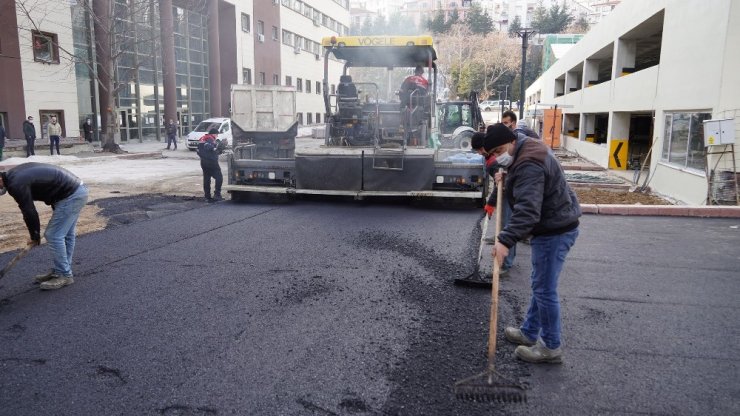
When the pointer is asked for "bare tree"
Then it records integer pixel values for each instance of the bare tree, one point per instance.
(122, 28)
(475, 62)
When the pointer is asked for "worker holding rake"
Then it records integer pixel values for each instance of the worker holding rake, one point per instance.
(545, 207)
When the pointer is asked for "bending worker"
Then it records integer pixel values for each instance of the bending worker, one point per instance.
(67, 196)
(544, 206)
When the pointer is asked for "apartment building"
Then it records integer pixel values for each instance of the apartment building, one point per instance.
(37, 78)
(638, 80)
(503, 12)
(298, 34)
(179, 62)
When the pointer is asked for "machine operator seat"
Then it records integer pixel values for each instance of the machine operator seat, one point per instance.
(348, 100)
(346, 90)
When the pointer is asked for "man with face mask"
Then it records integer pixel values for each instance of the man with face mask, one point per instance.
(543, 205)
(476, 142)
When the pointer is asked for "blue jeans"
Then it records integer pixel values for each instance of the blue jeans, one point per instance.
(53, 141)
(543, 316)
(506, 217)
(60, 232)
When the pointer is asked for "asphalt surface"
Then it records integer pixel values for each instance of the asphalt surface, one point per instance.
(345, 308)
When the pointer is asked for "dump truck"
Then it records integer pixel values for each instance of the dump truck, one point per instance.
(369, 146)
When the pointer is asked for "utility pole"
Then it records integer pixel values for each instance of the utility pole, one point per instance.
(523, 33)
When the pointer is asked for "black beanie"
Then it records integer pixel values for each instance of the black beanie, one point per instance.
(497, 135)
(476, 141)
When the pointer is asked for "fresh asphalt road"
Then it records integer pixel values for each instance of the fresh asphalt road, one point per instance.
(341, 308)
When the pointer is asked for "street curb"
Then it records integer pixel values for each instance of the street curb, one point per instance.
(663, 210)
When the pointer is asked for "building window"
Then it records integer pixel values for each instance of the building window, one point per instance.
(45, 47)
(299, 85)
(287, 38)
(300, 118)
(308, 86)
(318, 118)
(333, 89)
(246, 76)
(318, 87)
(309, 118)
(683, 141)
(246, 23)
(275, 79)
(275, 33)
(262, 78)
(260, 27)
(288, 81)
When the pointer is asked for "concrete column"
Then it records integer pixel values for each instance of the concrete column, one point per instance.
(572, 81)
(588, 125)
(625, 54)
(167, 34)
(619, 126)
(214, 59)
(590, 71)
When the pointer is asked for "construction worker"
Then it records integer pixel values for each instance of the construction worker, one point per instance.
(67, 196)
(508, 119)
(476, 142)
(208, 151)
(544, 206)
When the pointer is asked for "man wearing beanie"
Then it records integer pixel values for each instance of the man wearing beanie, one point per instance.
(544, 206)
(476, 142)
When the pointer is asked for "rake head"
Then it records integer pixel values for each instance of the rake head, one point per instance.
(490, 386)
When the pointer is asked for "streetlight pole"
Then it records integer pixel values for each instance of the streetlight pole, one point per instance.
(523, 33)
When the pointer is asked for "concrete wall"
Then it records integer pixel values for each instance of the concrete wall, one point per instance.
(698, 72)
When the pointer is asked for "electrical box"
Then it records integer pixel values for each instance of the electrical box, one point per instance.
(719, 132)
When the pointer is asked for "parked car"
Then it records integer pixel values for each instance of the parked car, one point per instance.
(494, 105)
(486, 105)
(222, 124)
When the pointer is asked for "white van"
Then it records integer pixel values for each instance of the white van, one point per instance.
(222, 124)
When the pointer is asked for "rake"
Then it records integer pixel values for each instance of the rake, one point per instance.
(15, 260)
(490, 385)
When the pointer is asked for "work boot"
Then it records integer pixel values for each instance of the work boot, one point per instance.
(516, 336)
(217, 197)
(539, 353)
(57, 282)
(41, 278)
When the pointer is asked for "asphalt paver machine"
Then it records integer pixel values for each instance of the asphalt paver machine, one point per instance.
(368, 146)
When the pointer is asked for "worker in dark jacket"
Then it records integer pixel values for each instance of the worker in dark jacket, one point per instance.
(544, 206)
(476, 142)
(508, 119)
(66, 194)
(208, 151)
(29, 131)
(171, 131)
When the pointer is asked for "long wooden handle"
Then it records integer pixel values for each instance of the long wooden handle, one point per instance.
(14, 260)
(494, 278)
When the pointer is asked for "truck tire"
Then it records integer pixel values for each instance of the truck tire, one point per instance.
(461, 138)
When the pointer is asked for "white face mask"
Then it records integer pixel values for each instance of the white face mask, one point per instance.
(504, 159)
